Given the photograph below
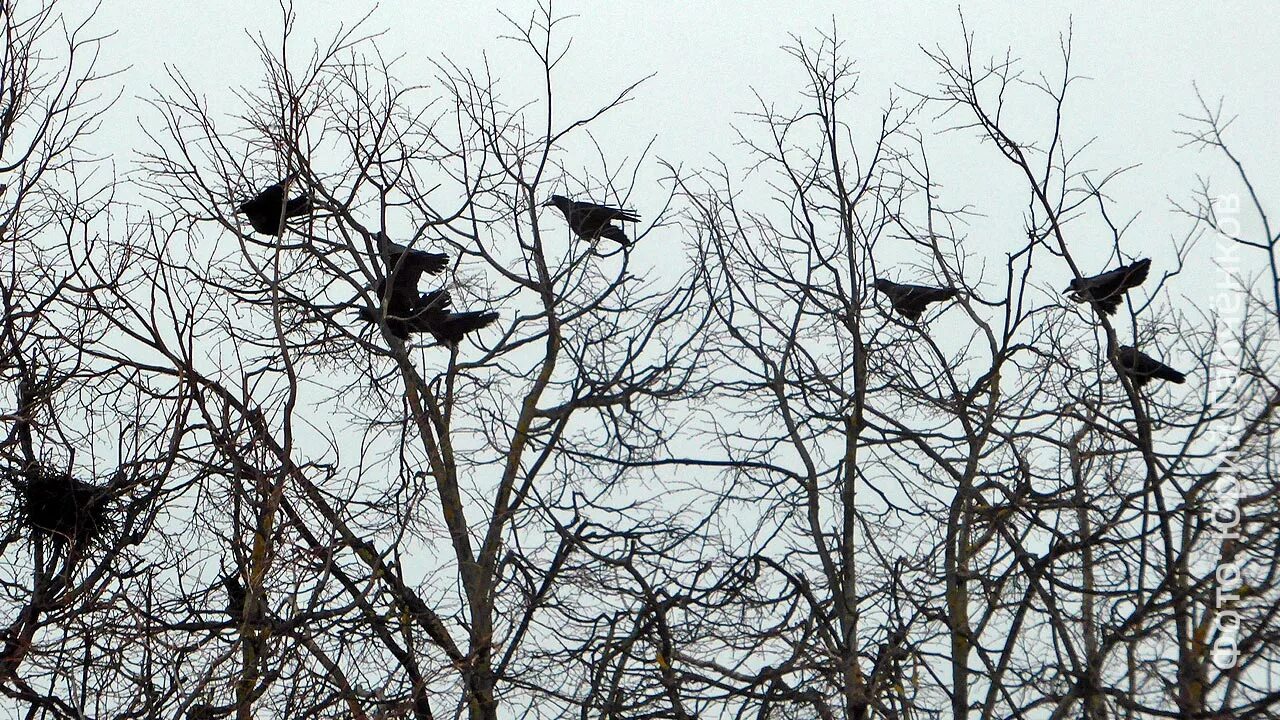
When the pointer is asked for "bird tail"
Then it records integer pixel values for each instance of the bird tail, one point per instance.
(367, 314)
(436, 300)
(454, 327)
(1164, 372)
(614, 233)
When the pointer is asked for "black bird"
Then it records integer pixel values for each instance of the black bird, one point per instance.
(398, 325)
(430, 313)
(235, 596)
(403, 269)
(407, 317)
(1106, 290)
(590, 221)
(911, 300)
(264, 209)
(447, 327)
(1141, 367)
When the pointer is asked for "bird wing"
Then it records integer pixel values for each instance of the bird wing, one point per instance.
(270, 196)
(1164, 372)
(300, 205)
(1105, 291)
(1148, 366)
(436, 300)
(1136, 274)
(453, 326)
(408, 264)
(932, 294)
(1115, 281)
(604, 213)
(899, 296)
(1142, 367)
(264, 208)
(923, 294)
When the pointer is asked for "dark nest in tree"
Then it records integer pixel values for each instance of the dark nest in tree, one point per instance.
(52, 503)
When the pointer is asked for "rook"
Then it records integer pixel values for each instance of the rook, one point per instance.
(911, 300)
(1141, 367)
(590, 221)
(1106, 290)
(264, 209)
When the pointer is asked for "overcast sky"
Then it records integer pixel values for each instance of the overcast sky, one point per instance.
(707, 58)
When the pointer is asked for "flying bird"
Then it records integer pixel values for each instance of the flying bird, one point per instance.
(447, 327)
(1141, 367)
(404, 267)
(431, 314)
(264, 209)
(1106, 291)
(911, 300)
(590, 221)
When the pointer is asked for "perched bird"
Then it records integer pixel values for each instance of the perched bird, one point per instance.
(1141, 367)
(1106, 291)
(397, 325)
(407, 317)
(264, 209)
(911, 300)
(235, 596)
(590, 221)
(447, 327)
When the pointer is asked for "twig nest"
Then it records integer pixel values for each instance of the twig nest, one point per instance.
(53, 503)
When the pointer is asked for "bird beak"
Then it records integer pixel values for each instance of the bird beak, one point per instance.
(548, 204)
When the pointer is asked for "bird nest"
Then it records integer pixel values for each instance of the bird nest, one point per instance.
(55, 504)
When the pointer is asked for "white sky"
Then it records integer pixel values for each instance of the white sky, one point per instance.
(1141, 57)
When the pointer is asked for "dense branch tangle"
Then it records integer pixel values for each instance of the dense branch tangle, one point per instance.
(506, 447)
(751, 488)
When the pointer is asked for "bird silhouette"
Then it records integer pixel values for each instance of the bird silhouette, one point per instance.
(1141, 367)
(264, 208)
(1106, 291)
(235, 595)
(403, 267)
(590, 221)
(431, 314)
(911, 300)
(434, 316)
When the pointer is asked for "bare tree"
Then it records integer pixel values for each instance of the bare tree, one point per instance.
(977, 512)
(756, 483)
(87, 452)
(396, 525)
